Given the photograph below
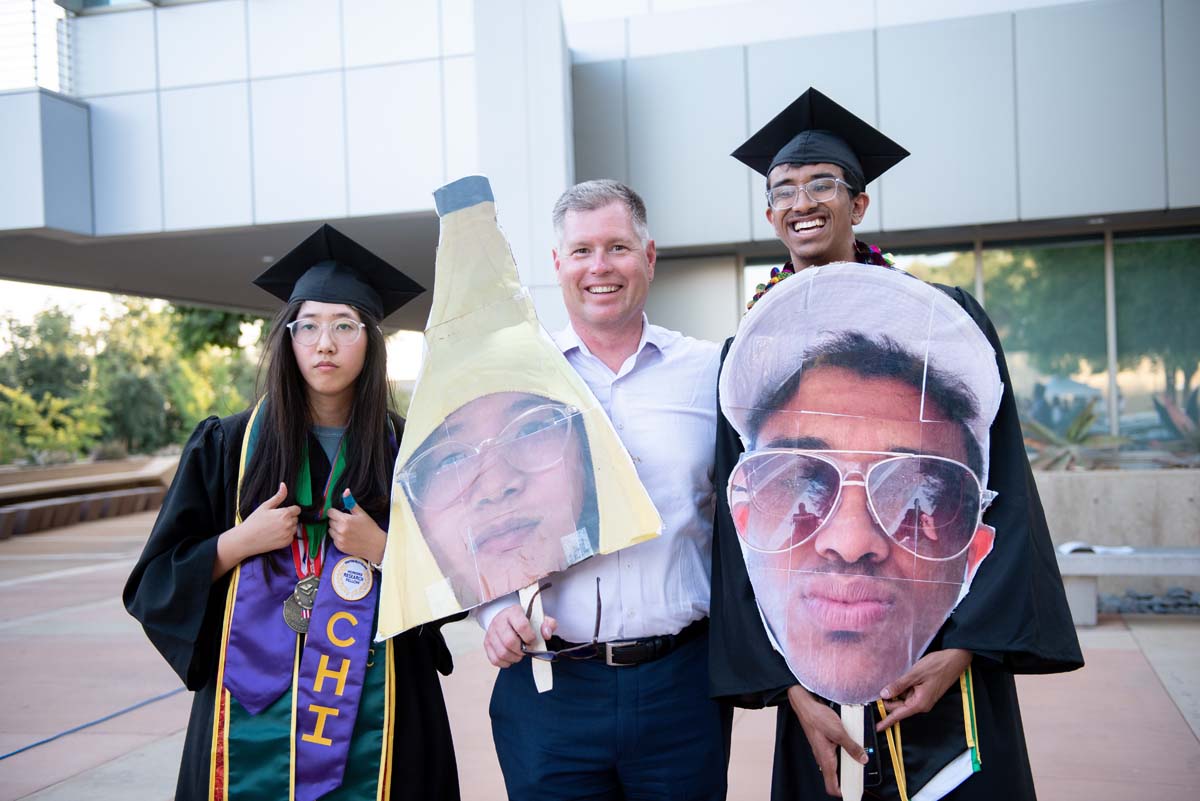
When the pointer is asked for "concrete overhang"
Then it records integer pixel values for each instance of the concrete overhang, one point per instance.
(214, 267)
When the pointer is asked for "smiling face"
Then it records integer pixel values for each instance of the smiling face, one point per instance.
(852, 609)
(816, 233)
(604, 268)
(329, 369)
(499, 491)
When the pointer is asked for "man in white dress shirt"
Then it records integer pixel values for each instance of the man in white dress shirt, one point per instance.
(633, 720)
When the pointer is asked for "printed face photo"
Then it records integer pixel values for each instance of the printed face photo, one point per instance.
(859, 514)
(504, 493)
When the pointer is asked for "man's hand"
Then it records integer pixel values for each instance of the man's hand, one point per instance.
(356, 534)
(823, 728)
(509, 630)
(923, 685)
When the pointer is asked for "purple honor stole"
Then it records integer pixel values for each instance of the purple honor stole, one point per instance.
(331, 672)
(261, 649)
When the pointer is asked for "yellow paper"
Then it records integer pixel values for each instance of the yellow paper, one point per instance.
(508, 469)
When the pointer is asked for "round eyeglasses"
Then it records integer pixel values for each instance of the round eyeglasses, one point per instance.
(343, 331)
(819, 190)
(928, 505)
(532, 442)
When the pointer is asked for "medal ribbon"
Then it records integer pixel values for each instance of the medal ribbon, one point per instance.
(308, 560)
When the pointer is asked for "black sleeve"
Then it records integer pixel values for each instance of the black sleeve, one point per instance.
(743, 667)
(1016, 612)
(170, 590)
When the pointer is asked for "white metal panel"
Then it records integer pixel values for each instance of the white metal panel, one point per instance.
(127, 188)
(696, 296)
(745, 23)
(66, 164)
(947, 97)
(685, 113)
(598, 41)
(462, 124)
(299, 148)
(841, 66)
(206, 157)
(458, 26)
(1090, 136)
(1183, 109)
(201, 43)
(113, 52)
(384, 31)
(394, 137)
(907, 12)
(598, 98)
(21, 194)
(291, 36)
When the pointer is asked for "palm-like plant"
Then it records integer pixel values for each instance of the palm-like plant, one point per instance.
(1075, 448)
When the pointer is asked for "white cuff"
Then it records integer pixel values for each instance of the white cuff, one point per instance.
(484, 614)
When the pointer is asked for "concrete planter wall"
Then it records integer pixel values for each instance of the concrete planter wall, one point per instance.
(1142, 508)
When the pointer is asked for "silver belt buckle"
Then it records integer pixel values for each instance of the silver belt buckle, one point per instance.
(608, 652)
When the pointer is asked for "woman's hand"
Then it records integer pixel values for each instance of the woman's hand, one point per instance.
(355, 533)
(268, 527)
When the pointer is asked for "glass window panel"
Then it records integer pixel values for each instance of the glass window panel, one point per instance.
(1158, 343)
(952, 267)
(1047, 303)
(755, 273)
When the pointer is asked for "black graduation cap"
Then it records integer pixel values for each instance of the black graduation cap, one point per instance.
(331, 267)
(815, 130)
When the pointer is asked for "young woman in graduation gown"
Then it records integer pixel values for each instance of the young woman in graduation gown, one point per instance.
(257, 583)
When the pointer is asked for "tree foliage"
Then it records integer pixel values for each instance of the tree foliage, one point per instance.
(137, 384)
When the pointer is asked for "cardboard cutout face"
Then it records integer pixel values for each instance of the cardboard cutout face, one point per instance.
(858, 501)
(508, 470)
(504, 493)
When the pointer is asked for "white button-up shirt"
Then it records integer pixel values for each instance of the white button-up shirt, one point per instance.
(662, 403)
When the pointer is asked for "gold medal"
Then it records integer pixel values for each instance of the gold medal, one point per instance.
(297, 609)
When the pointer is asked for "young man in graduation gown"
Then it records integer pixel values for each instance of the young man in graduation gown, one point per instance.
(258, 581)
(818, 159)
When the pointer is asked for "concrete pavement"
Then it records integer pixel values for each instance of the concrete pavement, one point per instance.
(1124, 727)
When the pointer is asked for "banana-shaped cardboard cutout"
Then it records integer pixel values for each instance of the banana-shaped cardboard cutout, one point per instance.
(508, 469)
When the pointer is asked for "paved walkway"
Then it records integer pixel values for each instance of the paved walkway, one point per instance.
(1125, 727)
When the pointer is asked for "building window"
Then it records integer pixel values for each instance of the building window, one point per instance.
(1157, 282)
(950, 267)
(1047, 303)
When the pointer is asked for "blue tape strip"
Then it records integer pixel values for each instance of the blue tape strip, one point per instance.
(462, 194)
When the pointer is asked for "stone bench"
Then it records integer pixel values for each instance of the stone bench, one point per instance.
(1081, 571)
(31, 516)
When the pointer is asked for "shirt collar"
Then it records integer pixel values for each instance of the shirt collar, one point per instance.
(568, 340)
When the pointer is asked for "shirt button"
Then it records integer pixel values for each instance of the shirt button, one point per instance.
(620, 426)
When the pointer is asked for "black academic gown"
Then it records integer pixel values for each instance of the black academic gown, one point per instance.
(1014, 620)
(172, 594)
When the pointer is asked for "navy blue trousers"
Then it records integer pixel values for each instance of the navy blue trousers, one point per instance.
(647, 732)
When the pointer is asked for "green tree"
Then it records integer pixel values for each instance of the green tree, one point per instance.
(48, 430)
(197, 327)
(45, 356)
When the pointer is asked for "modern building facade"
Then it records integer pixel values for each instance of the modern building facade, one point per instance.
(1055, 169)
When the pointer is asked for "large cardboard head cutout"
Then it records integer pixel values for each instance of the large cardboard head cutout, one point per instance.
(863, 397)
(509, 470)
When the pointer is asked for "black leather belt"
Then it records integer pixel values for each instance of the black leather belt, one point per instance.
(625, 653)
